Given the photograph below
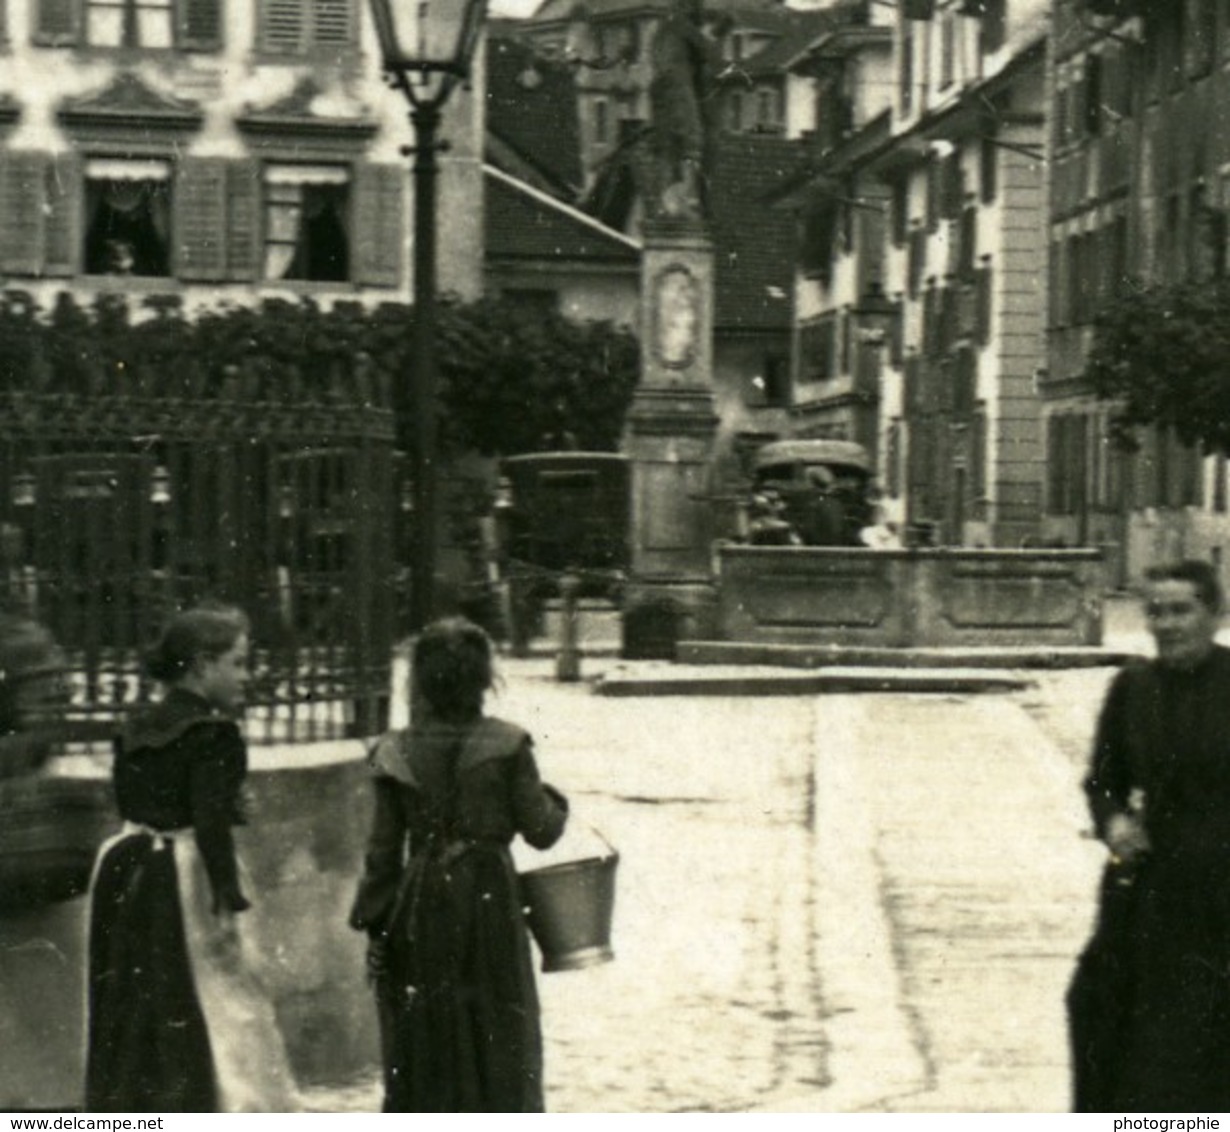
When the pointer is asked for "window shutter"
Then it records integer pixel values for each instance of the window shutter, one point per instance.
(200, 219)
(934, 191)
(243, 231)
(1055, 464)
(988, 170)
(58, 22)
(900, 211)
(62, 246)
(331, 23)
(930, 328)
(982, 285)
(381, 223)
(991, 30)
(200, 24)
(916, 260)
(1093, 95)
(22, 188)
(965, 381)
(978, 455)
(283, 24)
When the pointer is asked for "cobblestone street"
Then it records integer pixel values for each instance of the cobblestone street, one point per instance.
(834, 903)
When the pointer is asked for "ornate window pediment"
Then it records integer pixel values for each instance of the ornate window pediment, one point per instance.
(128, 106)
(299, 118)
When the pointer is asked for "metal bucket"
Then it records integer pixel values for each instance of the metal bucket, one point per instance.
(569, 908)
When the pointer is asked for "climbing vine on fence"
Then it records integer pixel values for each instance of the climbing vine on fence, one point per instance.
(509, 382)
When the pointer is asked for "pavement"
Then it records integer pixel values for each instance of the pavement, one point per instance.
(930, 898)
(917, 863)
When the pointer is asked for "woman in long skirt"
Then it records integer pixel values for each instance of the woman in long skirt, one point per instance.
(449, 950)
(177, 1021)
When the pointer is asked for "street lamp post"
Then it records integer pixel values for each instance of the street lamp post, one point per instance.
(426, 47)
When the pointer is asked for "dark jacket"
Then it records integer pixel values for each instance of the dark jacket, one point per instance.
(181, 764)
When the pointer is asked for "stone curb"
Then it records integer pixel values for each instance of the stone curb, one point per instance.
(824, 656)
(670, 681)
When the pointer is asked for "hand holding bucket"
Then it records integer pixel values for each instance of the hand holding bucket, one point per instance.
(569, 908)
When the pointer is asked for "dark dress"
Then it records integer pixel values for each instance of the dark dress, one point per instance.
(178, 766)
(458, 1005)
(1149, 1006)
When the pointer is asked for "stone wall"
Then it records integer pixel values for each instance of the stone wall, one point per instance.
(303, 853)
(909, 598)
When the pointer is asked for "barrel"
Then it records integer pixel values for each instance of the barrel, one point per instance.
(569, 908)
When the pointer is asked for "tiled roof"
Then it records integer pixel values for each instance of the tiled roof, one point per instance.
(532, 109)
(525, 224)
(755, 245)
(750, 13)
(797, 32)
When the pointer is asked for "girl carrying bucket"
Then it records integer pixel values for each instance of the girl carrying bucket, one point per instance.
(449, 951)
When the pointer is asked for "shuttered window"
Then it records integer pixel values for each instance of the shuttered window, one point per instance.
(296, 27)
(22, 187)
(57, 21)
(983, 290)
(816, 350)
(200, 219)
(62, 215)
(964, 381)
(900, 207)
(979, 455)
(916, 261)
(819, 239)
(149, 24)
(991, 27)
(217, 220)
(39, 210)
(380, 215)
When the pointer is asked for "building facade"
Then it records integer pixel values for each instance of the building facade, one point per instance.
(217, 153)
(609, 43)
(1141, 159)
(922, 279)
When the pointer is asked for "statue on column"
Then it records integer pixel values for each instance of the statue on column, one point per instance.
(684, 61)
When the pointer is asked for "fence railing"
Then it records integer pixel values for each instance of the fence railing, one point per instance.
(117, 508)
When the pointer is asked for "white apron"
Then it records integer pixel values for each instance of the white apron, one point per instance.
(251, 1069)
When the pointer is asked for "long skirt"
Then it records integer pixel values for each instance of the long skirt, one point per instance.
(178, 1018)
(459, 1013)
(1149, 1007)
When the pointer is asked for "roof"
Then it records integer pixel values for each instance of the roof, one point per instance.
(824, 171)
(532, 110)
(797, 31)
(754, 245)
(524, 223)
(748, 13)
(842, 452)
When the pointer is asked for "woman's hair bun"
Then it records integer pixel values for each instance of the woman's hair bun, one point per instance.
(204, 632)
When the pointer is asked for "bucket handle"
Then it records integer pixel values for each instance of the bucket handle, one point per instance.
(611, 850)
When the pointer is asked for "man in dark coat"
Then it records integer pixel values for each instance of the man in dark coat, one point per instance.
(1149, 1006)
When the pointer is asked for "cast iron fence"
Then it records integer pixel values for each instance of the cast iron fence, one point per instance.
(119, 504)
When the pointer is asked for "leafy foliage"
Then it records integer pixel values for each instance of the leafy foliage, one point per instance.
(513, 383)
(509, 382)
(1163, 354)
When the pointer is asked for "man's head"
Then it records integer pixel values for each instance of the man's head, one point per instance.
(1183, 603)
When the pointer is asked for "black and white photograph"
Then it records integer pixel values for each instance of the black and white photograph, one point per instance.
(614, 557)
